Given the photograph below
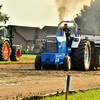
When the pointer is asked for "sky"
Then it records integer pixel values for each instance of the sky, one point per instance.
(38, 13)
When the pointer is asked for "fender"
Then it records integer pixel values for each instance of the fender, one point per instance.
(3, 40)
(75, 42)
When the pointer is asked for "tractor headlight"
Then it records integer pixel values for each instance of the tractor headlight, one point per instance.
(76, 39)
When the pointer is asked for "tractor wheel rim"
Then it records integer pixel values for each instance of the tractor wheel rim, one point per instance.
(69, 65)
(6, 51)
(18, 53)
(37, 50)
(87, 56)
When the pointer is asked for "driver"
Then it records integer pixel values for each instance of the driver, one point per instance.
(67, 32)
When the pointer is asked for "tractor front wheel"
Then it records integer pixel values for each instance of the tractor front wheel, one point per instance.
(67, 63)
(15, 56)
(38, 63)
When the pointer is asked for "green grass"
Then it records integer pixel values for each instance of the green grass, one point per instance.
(16, 62)
(86, 95)
(28, 56)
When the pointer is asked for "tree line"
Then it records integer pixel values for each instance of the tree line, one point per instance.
(89, 18)
(3, 17)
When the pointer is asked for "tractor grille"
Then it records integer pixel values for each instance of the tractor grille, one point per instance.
(51, 46)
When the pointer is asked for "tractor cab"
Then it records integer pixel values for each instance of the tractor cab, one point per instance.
(60, 28)
(3, 32)
(73, 27)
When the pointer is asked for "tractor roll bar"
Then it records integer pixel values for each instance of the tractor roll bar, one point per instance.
(76, 26)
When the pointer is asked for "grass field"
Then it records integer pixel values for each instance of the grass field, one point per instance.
(16, 62)
(86, 95)
(28, 56)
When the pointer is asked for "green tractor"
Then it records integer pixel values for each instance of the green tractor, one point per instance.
(7, 49)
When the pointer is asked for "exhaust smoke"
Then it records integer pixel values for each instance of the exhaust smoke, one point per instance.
(65, 7)
(61, 8)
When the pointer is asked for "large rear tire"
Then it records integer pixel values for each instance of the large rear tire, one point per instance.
(67, 63)
(5, 51)
(38, 63)
(15, 56)
(81, 56)
(38, 49)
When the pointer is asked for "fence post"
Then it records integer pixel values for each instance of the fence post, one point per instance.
(67, 87)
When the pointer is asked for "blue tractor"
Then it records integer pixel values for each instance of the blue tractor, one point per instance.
(75, 55)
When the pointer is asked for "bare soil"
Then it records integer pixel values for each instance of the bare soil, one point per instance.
(18, 65)
(27, 59)
(22, 80)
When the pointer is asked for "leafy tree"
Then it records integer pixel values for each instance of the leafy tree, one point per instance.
(3, 17)
(89, 18)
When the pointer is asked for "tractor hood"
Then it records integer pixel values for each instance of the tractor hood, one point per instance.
(55, 44)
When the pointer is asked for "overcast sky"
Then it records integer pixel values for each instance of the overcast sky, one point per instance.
(36, 13)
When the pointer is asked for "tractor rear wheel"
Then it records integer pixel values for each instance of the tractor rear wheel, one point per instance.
(67, 63)
(15, 56)
(37, 49)
(38, 63)
(81, 56)
(5, 51)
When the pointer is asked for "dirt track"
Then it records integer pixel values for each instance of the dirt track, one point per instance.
(23, 81)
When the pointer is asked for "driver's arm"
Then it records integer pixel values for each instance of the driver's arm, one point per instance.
(68, 32)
